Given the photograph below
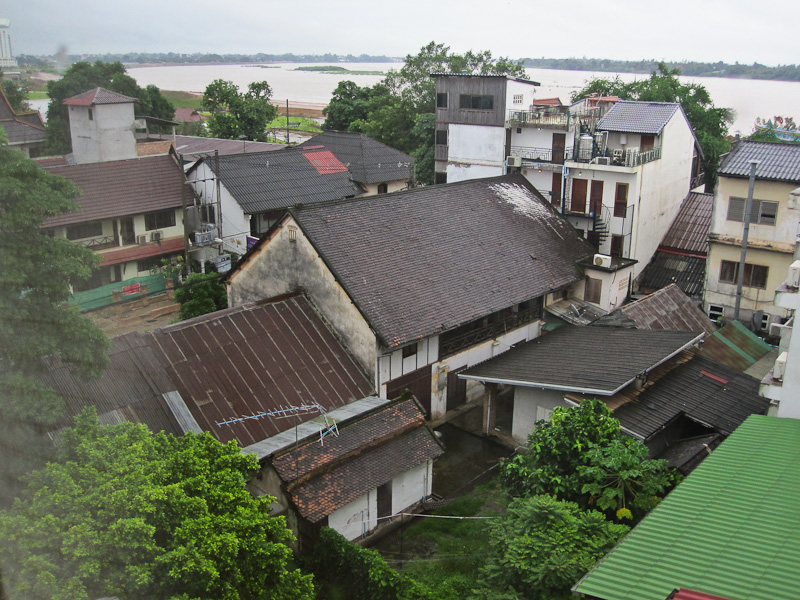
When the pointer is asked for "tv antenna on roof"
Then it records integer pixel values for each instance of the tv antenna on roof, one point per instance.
(291, 411)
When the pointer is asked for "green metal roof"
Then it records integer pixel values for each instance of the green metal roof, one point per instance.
(732, 528)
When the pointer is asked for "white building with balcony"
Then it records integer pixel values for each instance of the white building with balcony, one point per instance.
(618, 170)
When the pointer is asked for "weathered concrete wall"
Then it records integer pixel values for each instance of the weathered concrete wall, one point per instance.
(108, 135)
(357, 517)
(411, 487)
(531, 405)
(287, 262)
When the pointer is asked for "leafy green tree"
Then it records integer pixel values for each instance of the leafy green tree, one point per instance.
(200, 294)
(35, 275)
(16, 93)
(543, 546)
(239, 115)
(137, 515)
(710, 123)
(82, 77)
(581, 455)
(399, 110)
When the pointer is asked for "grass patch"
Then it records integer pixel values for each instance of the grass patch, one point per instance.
(333, 70)
(38, 96)
(447, 554)
(296, 123)
(183, 99)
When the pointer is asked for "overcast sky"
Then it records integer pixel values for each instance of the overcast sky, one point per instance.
(700, 30)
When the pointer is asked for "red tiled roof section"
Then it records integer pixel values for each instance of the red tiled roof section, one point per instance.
(98, 96)
(547, 102)
(368, 431)
(321, 478)
(114, 257)
(325, 162)
(153, 148)
(258, 358)
(121, 188)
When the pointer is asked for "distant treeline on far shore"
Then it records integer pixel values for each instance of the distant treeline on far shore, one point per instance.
(699, 69)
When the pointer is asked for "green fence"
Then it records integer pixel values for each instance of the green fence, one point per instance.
(130, 289)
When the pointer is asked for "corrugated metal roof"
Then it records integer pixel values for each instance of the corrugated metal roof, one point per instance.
(98, 96)
(368, 451)
(368, 160)
(729, 529)
(427, 260)
(191, 145)
(776, 161)
(122, 187)
(638, 117)
(132, 387)
(711, 394)
(599, 360)
(689, 230)
(684, 594)
(666, 268)
(735, 345)
(258, 358)
(668, 308)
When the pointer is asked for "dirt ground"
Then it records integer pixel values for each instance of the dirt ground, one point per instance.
(135, 316)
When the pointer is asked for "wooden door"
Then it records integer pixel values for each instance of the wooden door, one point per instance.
(417, 382)
(456, 390)
(578, 198)
(559, 141)
(555, 195)
(648, 141)
(596, 200)
(385, 500)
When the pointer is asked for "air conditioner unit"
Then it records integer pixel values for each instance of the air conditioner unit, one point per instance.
(779, 369)
(794, 275)
(602, 260)
(156, 236)
(603, 160)
(141, 239)
(514, 161)
(776, 329)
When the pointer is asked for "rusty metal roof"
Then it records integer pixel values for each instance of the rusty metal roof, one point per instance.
(689, 230)
(254, 359)
(132, 388)
(735, 345)
(368, 451)
(122, 187)
(668, 308)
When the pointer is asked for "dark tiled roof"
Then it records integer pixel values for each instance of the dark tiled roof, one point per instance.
(267, 181)
(20, 128)
(776, 161)
(98, 96)
(689, 230)
(369, 161)
(666, 268)
(122, 187)
(368, 452)
(258, 358)
(599, 360)
(192, 146)
(735, 345)
(130, 389)
(668, 308)
(714, 395)
(638, 117)
(430, 259)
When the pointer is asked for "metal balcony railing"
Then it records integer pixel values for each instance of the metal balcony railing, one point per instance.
(100, 243)
(540, 117)
(532, 153)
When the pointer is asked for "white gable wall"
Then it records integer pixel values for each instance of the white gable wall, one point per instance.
(108, 135)
(475, 151)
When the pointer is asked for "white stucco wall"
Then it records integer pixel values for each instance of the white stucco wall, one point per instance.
(531, 405)
(282, 266)
(109, 135)
(527, 90)
(357, 517)
(392, 186)
(392, 365)
(235, 224)
(473, 356)
(412, 486)
(475, 150)
(614, 289)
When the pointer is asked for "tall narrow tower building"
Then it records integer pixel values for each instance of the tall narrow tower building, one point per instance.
(6, 55)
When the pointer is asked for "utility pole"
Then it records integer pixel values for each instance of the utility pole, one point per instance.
(747, 209)
(287, 121)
